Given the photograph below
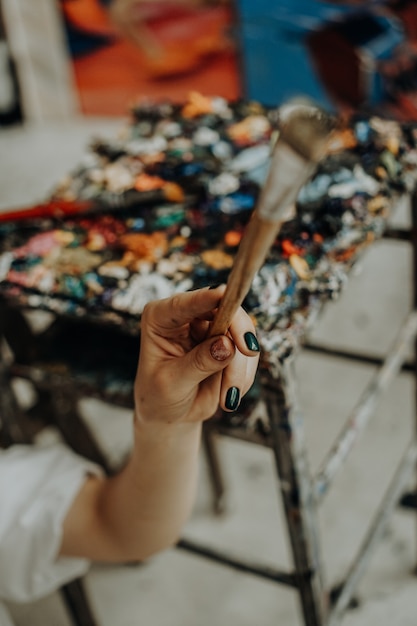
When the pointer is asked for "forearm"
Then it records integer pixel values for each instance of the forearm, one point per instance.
(183, 376)
(141, 510)
(156, 489)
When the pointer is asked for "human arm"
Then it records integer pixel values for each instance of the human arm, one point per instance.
(181, 379)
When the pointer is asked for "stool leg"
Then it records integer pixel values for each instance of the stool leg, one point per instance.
(214, 468)
(12, 428)
(76, 601)
(18, 333)
(72, 427)
(297, 492)
(409, 499)
(414, 246)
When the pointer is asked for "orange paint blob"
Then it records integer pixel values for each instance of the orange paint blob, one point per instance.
(144, 182)
(289, 248)
(232, 238)
(173, 192)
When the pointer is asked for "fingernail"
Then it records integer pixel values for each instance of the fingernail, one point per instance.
(251, 341)
(232, 398)
(219, 351)
(215, 286)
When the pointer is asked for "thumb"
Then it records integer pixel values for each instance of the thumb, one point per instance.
(207, 358)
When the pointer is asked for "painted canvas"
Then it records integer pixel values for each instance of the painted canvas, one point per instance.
(346, 55)
(132, 50)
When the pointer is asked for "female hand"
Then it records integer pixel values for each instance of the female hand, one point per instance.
(183, 377)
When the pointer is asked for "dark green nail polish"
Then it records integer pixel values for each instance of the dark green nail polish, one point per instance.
(251, 342)
(232, 398)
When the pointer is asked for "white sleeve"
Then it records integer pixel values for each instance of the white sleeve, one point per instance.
(5, 619)
(37, 487)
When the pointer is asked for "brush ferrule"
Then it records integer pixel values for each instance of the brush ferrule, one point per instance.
(288, 172)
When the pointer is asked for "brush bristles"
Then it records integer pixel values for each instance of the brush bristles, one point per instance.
(306, 128)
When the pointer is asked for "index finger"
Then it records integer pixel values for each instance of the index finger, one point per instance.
(180, 309)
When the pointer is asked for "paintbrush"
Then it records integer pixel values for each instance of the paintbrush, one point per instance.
(304, 134)
(114, 202)
(54, 209)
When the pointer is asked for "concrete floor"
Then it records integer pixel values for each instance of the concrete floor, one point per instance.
(177, 589)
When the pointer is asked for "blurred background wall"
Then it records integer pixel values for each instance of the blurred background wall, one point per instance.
(97, 57)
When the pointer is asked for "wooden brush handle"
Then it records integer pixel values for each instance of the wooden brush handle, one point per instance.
(303, 142)
(259, 236)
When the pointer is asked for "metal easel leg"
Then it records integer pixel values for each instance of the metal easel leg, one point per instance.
(297, 491)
